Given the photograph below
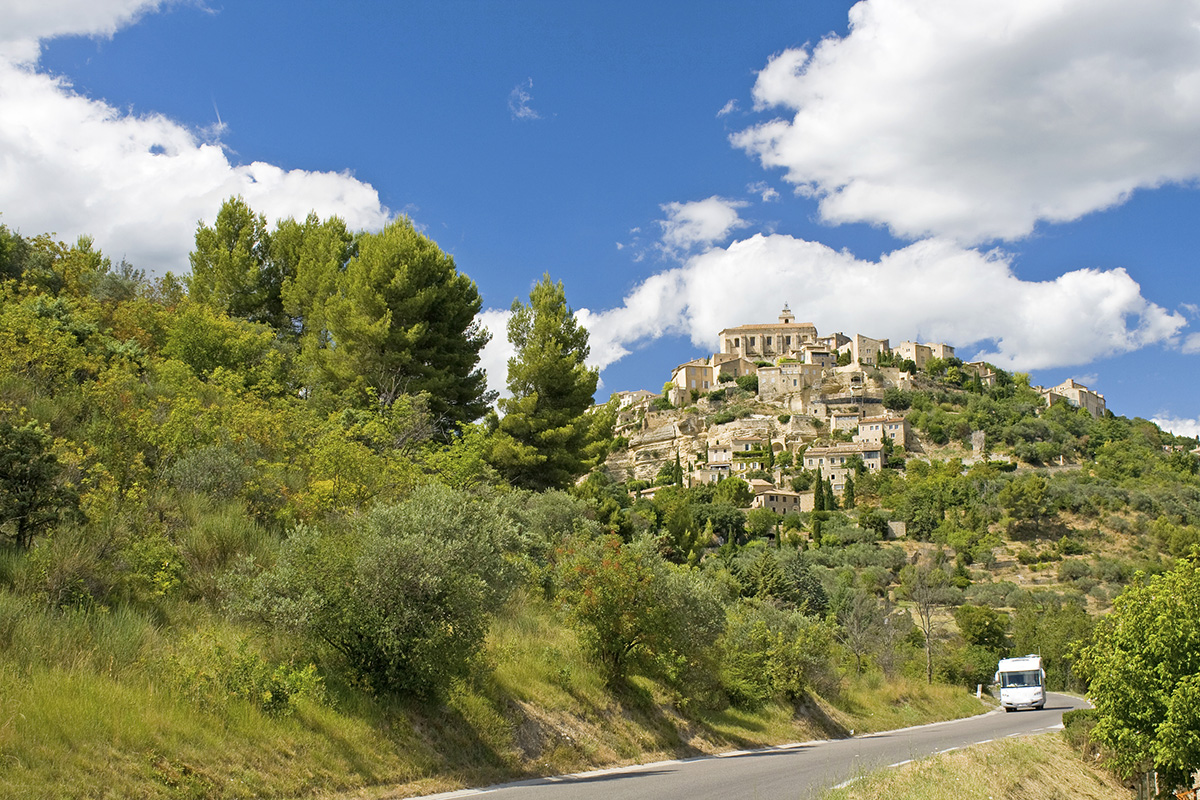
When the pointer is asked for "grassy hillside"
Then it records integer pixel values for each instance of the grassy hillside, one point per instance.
(111, 705)
(1035, 768)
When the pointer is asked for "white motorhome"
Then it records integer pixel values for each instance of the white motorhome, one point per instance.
(1022, 682)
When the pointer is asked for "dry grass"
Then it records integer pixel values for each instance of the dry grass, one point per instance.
(1032, 768)
(870, 703)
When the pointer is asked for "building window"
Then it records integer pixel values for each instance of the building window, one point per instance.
(787, 340)
(752, 341)
(737, 342)
(768, 341)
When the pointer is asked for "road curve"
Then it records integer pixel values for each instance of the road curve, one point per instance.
(788, 772)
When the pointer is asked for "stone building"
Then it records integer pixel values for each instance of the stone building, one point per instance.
(768, 342)
(1077, 395)
(919, 354)
(786, 378)
(832, 461)
(872, 429)
(864, 349)
(781, 501)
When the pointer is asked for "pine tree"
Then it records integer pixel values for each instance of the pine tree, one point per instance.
(538, 442)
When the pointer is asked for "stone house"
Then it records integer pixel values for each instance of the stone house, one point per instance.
(818, 355)
(872, 429)
(832, 460)
(694, 375)
(732, 366)
(787, 378)
(981, 370)
(720, 453)
(919, 354)
(1078, 395)
(627, 399)
(864, 349)
(781, 501)
(941, 350)
(748, 453)
(841, 420)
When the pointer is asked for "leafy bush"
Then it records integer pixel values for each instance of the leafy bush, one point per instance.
(217, 471)
(405, 597)
(773, 653)
(635, 611)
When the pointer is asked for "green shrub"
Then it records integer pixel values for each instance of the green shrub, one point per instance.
(748, 383)
(208, 673)
(405, 598)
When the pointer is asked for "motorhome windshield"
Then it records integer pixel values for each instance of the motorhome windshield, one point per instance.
(1010, 680)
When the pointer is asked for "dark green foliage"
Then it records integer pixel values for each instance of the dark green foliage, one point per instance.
(1048, 624)
(748, 383)
(33, 497)
(540, 437)
(409, 319)
(970, 666)
(761, 522)
(375, 316)
(671, 474)
(983, 626)
(896, 399)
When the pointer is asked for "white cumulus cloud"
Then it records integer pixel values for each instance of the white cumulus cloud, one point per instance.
(700, 223)
(138, 184)
(934, 288)
(975, 120)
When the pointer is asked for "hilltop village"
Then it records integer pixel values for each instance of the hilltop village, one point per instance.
(779, 398)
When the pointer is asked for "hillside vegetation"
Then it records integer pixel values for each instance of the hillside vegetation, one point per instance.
(261, 537)
(1037, 768)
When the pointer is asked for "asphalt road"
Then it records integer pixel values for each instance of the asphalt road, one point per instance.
(789, 772)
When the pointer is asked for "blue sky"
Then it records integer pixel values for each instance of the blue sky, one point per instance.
(1016, 178)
